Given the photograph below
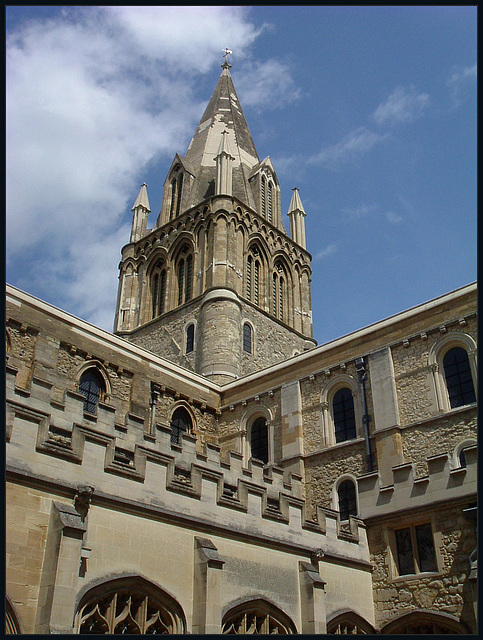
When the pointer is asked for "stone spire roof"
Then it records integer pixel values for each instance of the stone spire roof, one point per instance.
(142, 198)
(223, 113)
(296, 202)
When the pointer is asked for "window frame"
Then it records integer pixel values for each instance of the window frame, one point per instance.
(248, 324)
(436, 356)
(175, 439)
(415, 550)
(96, 369)
(328, 392)
(342, 481)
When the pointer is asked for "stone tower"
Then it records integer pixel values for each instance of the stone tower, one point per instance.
(217, 285)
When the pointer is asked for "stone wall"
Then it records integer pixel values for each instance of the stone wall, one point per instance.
(444, 591)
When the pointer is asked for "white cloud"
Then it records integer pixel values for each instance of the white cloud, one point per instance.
(403, 105)
(459, 80)
(325, 253)
(93, 96)
(267, 84)
(358, 212)
(356, 143)
(393, 218)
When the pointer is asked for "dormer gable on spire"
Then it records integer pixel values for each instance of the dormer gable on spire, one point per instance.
(266, 192)
(177, 190)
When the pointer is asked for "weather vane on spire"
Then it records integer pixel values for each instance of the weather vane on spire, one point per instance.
(226, 64)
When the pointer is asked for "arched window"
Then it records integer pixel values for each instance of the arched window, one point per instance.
(263, 194)
(249, 277)
(129, 606)
(459, 455)
(158, 290)
(12, 625)
(453, 371)
(174, 189)
(253, 274)
(349, 623)
(247, 338)
(269, 202)
(179, 191)
(344, 415)
(185, 275)
(346, 494)
(459, 381)
(92, 387)
(256, 283)
(279, 292)
(424, 622)
(190, 338)
(257, 617)
(180, 423)
(259, 439)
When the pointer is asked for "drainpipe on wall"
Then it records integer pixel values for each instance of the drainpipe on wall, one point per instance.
(361, 370)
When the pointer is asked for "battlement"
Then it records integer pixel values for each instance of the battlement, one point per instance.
(443, 483)
(123, 462)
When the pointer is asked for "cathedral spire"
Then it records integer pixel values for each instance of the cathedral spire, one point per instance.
(140, 214)
(296, 213)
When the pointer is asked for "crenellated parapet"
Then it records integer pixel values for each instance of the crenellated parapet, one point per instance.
(127, 464)
(444, 483)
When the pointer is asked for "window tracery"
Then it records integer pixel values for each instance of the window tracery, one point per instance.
(128, 611)
(185, 275)
(257, 618)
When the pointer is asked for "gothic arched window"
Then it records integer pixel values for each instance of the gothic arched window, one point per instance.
(344, 415)
(180, 423)
(259, 439)
(255, 618)
(270, 201)
(128, 606)
(190, 338)
(247, 338)
(158, 290)
(279, 293)
(176, 187)
(185, 275)
(346, 494)
(253, 276)
(92, 387)
(459, 381)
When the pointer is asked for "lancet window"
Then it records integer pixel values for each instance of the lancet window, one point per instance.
(266, 198)
(176, 187)
(180, 423)
(185, 275)
(92, 387)
(158, 290)
(279, 292)
(253, 274)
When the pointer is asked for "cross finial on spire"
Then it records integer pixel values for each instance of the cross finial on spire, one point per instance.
(226, 53)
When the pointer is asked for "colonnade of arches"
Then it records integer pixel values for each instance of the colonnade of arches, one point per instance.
(132, 605)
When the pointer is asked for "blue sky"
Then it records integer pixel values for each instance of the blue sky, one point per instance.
(369, 111)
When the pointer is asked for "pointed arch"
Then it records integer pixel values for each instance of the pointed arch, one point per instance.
(422, 621)
(348, 622)
(129, 604)
(257, 616)
(94, 384)
(182, 421)
(12, 621)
